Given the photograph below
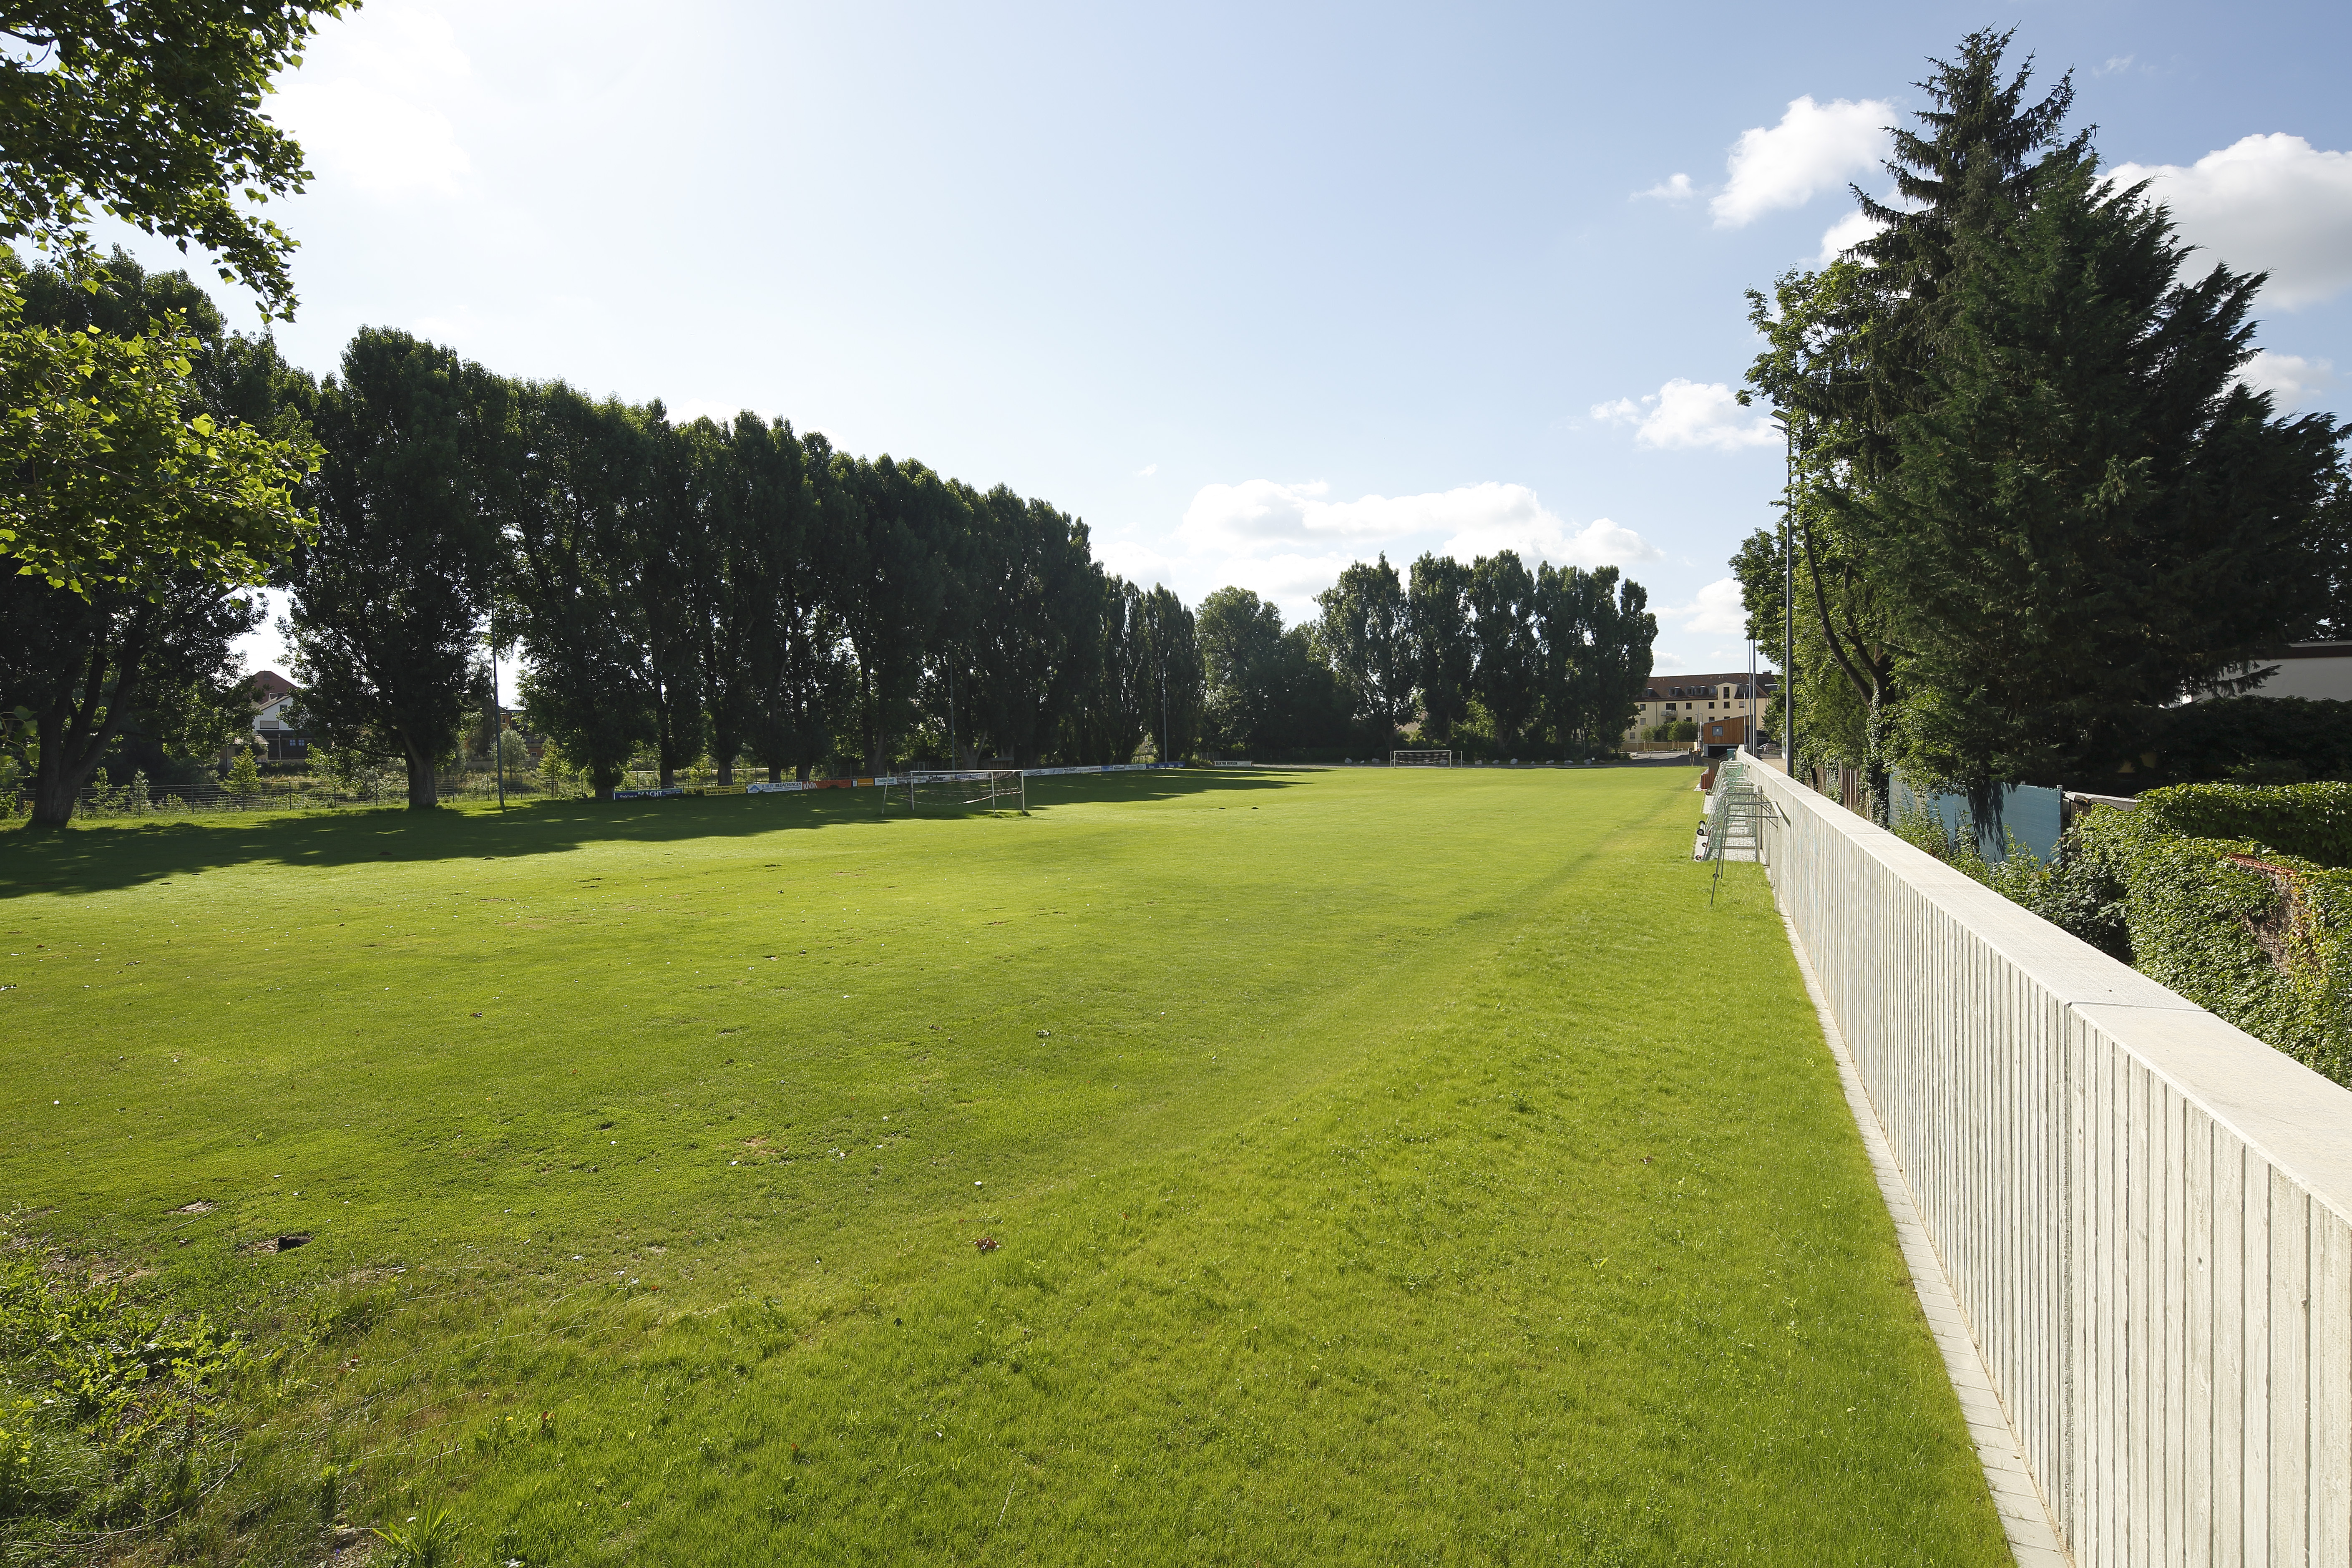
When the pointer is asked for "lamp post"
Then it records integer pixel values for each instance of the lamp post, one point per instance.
(1789, 599)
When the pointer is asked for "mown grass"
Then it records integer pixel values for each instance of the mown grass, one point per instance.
(1382, 1167)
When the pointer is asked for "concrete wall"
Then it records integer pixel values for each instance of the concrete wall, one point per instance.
(2141, 1210)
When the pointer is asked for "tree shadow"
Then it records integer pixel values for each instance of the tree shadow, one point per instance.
(103, 857)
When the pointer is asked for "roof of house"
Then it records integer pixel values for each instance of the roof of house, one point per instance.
(1662, 687)
(268, 685)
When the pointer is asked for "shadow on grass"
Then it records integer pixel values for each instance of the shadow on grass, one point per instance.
(102, 856)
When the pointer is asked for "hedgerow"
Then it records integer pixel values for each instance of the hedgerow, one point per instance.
(2310, 821)
(2261, 938)
(2197, 889)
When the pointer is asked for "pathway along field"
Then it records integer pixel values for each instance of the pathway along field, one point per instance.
(1383, 1167)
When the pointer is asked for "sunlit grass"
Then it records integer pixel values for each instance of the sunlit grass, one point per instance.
(1383, 1167)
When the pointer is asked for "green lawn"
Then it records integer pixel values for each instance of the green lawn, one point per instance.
(1384, 1167)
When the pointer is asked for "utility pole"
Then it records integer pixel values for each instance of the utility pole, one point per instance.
(1789, 599)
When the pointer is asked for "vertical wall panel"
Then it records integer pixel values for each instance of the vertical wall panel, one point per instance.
(2142, 1212)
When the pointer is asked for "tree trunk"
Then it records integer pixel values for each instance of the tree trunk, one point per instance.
(55, 789)
(421, 794)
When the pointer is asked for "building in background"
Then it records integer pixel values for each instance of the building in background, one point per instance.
(2314, 669)
(1703, 700)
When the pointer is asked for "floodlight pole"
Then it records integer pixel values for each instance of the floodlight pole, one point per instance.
(1789, 599)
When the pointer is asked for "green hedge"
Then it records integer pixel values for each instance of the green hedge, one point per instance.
(2266, 944)
(2311, 821)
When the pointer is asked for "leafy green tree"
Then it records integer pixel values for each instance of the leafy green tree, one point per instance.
(1242, 663)
(781, 628)
(577, 472)
(885, 526)
(1593, 654)
(1503, 628)
(78, 670)
(153, 112)
(1038, 628)
(85, 667)
(1366, 635)
(389, 599)
(1443, 652)
(2033, 503)
(1175, 684)
(116, 475)
(1116, 710)
(121, 472)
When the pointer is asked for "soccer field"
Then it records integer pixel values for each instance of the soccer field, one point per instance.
(1380, 1167)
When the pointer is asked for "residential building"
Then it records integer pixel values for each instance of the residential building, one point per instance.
(2317, 670)
(277, 725)
(1671, 698)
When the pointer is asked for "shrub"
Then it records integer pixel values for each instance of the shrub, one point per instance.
(2309, 820)
(2262, 939)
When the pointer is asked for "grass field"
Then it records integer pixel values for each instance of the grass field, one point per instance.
(1382, 1167)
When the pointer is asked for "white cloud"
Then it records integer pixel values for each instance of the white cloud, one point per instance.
(1288, 541)
(1843, 235)
(1677, 189)
(1686, 413)
(1473, 520)
(1717, 611)
(368, 123)
(1814, 146)
(1146, 471)
(2114, 63)
(2272, 203)
(2290, 379)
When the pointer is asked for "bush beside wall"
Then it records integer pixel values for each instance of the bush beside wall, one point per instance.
(2261, 938)
(2309, 820)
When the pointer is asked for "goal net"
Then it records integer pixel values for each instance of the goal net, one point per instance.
(990, 789)
(1421, 759)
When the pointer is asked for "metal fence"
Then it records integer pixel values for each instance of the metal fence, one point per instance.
(296, 792)
(2145, 1214)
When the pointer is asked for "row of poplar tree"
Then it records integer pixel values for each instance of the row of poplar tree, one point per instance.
(1491, 659)
(2032, 502)
(737, 592)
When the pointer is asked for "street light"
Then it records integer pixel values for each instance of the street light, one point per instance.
(1789, 599)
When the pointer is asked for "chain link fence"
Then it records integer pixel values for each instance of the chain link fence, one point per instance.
(294, 793)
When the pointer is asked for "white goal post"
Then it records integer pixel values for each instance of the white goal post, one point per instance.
(995, 789)
(1421, 759)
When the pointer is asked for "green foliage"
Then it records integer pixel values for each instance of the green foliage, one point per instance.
(2253, 740)
(2020, 445)
(153, 112)
(2312, 822)
(1365, 633)
(427, 1539)
(2261, 938)
(116, 475)
(106, 1407)
(244, 775)
(388, 601)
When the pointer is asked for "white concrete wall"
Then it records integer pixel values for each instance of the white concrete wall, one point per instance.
(2142, 1210)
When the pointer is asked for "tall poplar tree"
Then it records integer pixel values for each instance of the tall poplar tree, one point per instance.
(1502, 606)
(389, 599)
(577, 471)
(1366, 631)
(1443, 652)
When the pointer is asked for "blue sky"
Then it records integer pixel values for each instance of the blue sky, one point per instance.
(1255, 290)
